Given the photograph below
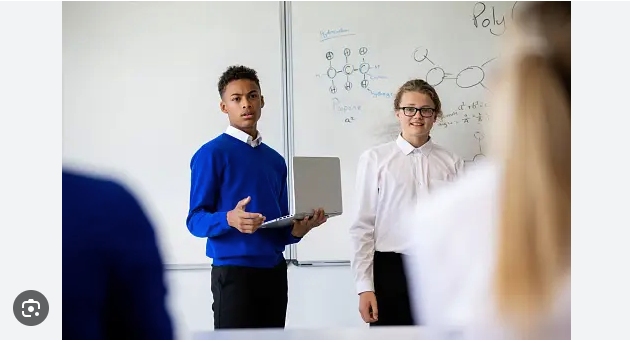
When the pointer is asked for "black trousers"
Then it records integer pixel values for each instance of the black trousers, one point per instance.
(391, 290)
(246, 297)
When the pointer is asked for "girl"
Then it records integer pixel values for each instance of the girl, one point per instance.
(501, 267)
(391, 176)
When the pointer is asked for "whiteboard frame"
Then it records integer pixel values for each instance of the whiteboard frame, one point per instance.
(289, 114)
(290, 253)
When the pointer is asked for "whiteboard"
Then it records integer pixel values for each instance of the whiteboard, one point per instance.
(347, 68)
(140, 95)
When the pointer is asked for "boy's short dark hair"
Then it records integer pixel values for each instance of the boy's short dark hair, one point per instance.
(237, 73)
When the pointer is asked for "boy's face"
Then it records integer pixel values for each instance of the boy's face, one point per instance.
(242, 102)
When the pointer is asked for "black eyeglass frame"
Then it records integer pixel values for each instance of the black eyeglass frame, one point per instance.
(425, 112)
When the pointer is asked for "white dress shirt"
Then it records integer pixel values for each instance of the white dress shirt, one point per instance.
(244, 137)
(390, 177)
(451, 257)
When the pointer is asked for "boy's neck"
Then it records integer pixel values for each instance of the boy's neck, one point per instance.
(416, 141)
(252, 131)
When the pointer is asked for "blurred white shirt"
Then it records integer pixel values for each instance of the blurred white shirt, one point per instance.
(391, 177)
(451, 257)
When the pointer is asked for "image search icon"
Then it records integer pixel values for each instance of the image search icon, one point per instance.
(30, 308)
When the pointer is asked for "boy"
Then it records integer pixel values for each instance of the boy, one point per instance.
(237, 183)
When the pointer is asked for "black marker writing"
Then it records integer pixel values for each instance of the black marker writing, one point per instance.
(490, 19)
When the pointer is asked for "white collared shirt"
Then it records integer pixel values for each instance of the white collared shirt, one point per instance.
(390, 178)
(244, 137)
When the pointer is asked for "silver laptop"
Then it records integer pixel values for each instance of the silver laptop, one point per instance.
(316, 184)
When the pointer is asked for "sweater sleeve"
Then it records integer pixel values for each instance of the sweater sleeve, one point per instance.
(203, 218)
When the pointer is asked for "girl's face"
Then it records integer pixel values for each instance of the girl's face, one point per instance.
(416, 114)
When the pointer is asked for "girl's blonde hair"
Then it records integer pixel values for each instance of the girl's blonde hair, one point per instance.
(534, 247)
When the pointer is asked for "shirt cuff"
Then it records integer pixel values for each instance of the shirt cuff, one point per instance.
(365, 286)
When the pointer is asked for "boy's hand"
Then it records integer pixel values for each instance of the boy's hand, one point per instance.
(244, 222)
(302, 227)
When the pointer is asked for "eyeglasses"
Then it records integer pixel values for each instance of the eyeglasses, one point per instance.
(426, 112)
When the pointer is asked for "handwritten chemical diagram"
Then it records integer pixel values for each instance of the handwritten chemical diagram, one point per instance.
(468, 77)
(348, 69)
(479, 136)
(474, 112)
(479, 156)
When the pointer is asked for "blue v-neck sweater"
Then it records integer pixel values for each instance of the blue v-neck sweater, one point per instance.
(224, 171)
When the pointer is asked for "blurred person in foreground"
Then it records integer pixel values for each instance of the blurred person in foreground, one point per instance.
(113, 279)
(492, 258)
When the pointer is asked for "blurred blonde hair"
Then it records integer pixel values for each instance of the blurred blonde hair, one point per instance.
(534, 247)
